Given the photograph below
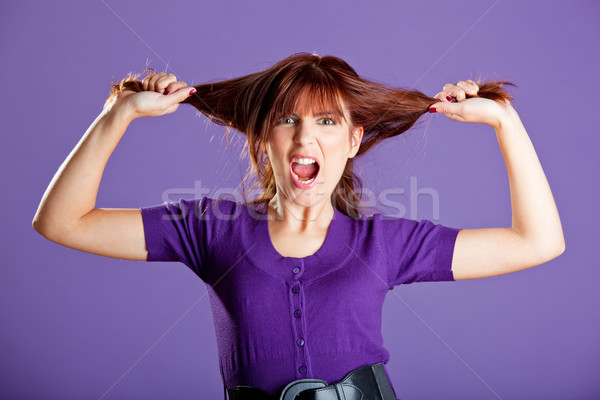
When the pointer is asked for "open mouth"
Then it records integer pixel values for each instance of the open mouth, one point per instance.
(304, 171)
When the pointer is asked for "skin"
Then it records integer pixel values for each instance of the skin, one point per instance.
(305, 214)
(67, 214)
(536, 235)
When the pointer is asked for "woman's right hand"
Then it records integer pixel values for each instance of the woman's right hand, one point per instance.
(160, 95)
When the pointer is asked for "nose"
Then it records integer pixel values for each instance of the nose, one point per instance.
(304, 134)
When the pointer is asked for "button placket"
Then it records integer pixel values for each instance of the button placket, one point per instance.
(297, 316)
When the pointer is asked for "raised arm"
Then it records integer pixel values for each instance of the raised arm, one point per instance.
(67, 214)
(536, 235)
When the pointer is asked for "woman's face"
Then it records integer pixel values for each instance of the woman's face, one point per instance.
(308, 154)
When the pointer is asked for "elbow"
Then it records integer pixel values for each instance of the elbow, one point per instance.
(541, 249)
(36, 224)
(48, 232)
(39, 227)
(42, 226)
(551, 252)
(54, 230)
(560, 248)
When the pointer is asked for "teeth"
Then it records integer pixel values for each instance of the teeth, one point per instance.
(304, 161)
(299, 180)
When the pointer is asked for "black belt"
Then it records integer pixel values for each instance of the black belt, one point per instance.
(365, 383)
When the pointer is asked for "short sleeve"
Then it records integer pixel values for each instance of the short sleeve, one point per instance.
(179, 231)
(418, 251)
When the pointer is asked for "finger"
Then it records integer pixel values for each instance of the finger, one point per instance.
(145, 82)
(443, 96)
(467, 87)
(153, 79)
(455, 91)
(474, 84)
(153, 83)
(181, 94)
(163, 82)
(173, 86)
(447, 108)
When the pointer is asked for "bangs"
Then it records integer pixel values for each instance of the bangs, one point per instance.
(308, 98)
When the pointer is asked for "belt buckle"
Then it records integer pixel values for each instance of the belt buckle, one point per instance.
(293, 388)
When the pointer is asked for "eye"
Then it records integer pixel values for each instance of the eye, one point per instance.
(327, 121)
(286, 120)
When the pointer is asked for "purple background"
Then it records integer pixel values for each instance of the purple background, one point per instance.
(80, 326)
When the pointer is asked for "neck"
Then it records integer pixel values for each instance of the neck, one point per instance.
(298, 217)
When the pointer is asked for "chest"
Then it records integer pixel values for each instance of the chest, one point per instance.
(291, 244)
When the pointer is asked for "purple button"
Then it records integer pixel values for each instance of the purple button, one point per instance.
(296, 289)
(297, 313)
(302, 369)
(300, 342)
(296, 270)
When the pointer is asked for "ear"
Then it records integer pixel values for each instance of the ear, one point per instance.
(357, 134)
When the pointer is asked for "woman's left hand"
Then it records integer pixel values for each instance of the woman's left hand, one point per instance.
(455, 105)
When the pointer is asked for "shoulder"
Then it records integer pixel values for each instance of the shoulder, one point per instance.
(228, 214)
(383, 222)
(393, 230)
(204, 210)
(379, 228)
(222, 207)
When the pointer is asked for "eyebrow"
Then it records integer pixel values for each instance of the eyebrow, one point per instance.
(317, 114)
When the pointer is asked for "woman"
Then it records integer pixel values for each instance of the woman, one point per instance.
(296, 278)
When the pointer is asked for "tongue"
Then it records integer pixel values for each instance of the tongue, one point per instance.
(304, 171)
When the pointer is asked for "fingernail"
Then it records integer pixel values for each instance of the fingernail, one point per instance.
(166, 92)
(193, 91)
(432, 110)
(448, 98)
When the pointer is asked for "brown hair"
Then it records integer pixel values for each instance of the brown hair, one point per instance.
(251, 104)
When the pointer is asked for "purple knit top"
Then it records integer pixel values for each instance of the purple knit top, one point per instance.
(278, 319)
